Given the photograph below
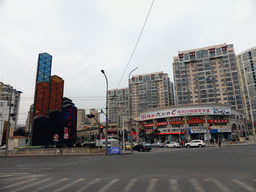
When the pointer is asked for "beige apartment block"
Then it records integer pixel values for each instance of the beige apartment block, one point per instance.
(151, 90)
(80, 116)
(208, 75)
(247, 66)
(148, 91)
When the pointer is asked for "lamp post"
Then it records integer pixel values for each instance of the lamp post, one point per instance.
(93, 116)
(130, 108)
(9, 119)
(106, 134)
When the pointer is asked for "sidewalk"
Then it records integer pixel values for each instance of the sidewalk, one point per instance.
(11, 154)
(230, 143)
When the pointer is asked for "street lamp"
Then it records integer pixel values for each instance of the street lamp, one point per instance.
(9, 119)
(130, 108)
(106, 134)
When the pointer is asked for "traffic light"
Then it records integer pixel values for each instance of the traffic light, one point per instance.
(101, 129)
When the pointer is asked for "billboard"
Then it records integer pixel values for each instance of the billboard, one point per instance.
(186, 112)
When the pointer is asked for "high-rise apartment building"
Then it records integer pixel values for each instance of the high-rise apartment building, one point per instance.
(148, 91)
(9, 107)
(151, 90)
(207, 75)
(80, 116)
(247, 69)
(97, 116)
(118, 105)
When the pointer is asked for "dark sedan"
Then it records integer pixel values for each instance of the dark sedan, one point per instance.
(142, 147)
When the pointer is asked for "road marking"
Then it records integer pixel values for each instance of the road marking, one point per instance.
(33, 184)
(129, 186)
(151, 186)
(220, 185)
(14, 173)
(68, 185)
(243, 185)
(89, 184)
(174, 185)
(109, 185)
(53, 183)
(196, 185)
(20, 183)
(24, 177)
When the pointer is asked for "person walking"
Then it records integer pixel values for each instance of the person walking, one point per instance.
(181, 143)
(219, 143)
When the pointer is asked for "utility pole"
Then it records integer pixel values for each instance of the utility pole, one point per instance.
(130, 108)
(8, 127)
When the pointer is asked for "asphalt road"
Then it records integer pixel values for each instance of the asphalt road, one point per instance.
(194, 169)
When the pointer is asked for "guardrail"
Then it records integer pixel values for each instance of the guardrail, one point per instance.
(52, 151)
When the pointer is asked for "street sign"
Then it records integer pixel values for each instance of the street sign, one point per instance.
(55, 140)
(56, 136)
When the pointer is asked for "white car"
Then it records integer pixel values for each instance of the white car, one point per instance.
(173, 144)
(3, 147)
(195, 143)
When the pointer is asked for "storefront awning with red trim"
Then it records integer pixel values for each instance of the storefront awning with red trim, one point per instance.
(173, 133)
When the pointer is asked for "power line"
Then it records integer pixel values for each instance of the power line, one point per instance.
(136, 44)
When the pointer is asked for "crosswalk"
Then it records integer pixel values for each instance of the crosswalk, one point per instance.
(18, 182)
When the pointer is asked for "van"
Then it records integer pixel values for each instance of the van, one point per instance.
(111, 143)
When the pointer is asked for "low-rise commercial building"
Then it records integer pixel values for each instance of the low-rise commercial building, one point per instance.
(202, 121)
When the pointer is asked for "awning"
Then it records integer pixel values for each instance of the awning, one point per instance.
(172, 133)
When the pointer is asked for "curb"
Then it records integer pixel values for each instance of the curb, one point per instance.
(74, 154)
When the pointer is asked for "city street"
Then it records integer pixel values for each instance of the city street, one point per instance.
(162, 169)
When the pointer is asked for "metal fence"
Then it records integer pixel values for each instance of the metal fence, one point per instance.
(53, 151)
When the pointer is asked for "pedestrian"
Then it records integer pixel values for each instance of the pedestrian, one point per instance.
(211, 141)
(219, 143)
(216, 140)
(181, 143)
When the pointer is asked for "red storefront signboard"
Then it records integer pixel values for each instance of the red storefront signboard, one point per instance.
(148, 131)
(218, 121)
(148, 125)
(195, 121)
(161, 123)
(177, 122)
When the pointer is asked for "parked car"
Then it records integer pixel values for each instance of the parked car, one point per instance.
(195, 143)
(158, 144)
(88, 144)
(173, 144)
(128, 146)
(142, 147)
(3, 147)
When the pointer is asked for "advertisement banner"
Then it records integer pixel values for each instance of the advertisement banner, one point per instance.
(218, 121)
(186, 112)
(114, 150)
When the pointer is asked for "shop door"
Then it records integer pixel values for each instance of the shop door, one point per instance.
(201, 137)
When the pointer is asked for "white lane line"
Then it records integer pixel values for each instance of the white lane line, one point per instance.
(11, 174)
(24, 177)
(244, 185)
(151, 186)
(196, 185)
(53, 183)
(130, 185)
(174, 185)
(33, 184)
(109, 185)
(68, 185)
(220, 185)
(6, 175)
(89, 184)
(20, 183)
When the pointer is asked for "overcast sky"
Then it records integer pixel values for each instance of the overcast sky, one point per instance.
(85, 36)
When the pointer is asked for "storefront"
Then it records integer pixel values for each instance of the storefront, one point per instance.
(197, 133)
(194, 122)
